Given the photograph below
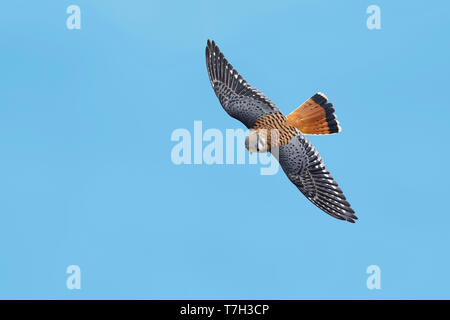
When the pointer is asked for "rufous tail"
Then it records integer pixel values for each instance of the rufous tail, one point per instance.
(315, 116)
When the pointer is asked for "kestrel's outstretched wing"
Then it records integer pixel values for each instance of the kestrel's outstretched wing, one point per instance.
(239, 99)
(299, 159)
(305, 168)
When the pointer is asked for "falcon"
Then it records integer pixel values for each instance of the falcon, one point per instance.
(298, 158)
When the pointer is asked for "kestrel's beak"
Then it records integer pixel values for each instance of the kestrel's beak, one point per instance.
(251, 145)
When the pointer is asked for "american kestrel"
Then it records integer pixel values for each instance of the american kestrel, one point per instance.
(297, 156)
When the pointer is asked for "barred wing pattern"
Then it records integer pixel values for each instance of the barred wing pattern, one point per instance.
(239, 99)
(305, 168)
(299, 159)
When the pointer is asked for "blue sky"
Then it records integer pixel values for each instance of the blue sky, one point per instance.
(87, 178)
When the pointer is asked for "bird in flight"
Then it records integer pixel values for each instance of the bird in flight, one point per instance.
(269, 128)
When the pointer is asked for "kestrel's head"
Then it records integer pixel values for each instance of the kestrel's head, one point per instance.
(257, 141)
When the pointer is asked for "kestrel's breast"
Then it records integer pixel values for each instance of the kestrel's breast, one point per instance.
(276, 121)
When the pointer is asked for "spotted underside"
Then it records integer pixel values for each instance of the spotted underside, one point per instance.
(299, 159)
(275, 121)
(304, 167)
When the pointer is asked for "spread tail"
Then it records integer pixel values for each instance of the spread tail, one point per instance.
(315, 116)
